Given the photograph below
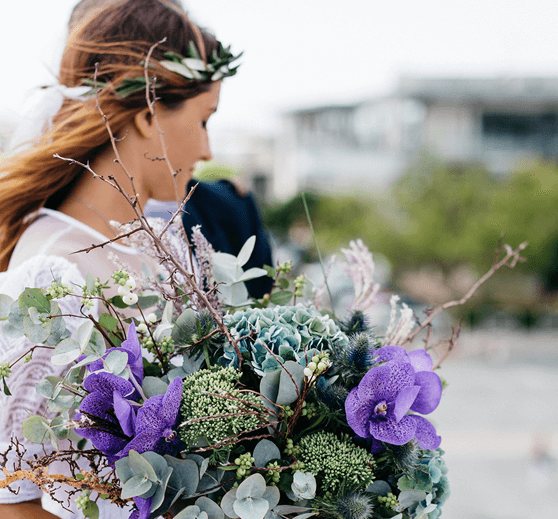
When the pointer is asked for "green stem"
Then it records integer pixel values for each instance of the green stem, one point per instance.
(303, 196)
(206, 355)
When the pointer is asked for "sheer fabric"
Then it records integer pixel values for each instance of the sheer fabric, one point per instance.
(45, 252)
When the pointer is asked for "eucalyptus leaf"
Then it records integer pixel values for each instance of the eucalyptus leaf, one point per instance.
(84, 334)
(6, 303)
(37, 333)
(59, 429)
(227, 503)
(269, 387)
(61, 403)
(35, 315)
(90, 283)
(190, 512)
(34, 297)
(246, 251)
(253, 486)
(135, 486)
(35, 429)
(44, 388)
(272, 496)
(287, 393)
(211, 508)
(379, 487)
(154, 386)
(116, 361)
(252, 273)
(67, 351)
(15, 317)
(141, 466)
(185, 474)
(253, 508)
(123, 470)
(11, 331)
(264, 452)
(159, 496)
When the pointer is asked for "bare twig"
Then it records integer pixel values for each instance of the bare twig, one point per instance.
(510, 260)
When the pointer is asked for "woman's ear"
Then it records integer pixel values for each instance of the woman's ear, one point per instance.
(143, 123)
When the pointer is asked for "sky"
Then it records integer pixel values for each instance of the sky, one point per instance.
(301, 53)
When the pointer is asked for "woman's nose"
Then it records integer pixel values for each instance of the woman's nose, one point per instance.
(206, 150)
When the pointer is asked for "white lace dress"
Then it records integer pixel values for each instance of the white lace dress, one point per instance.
(44, 253)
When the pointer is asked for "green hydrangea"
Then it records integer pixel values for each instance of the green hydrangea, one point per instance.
(337, 463)
(291, 332)
(211, 392)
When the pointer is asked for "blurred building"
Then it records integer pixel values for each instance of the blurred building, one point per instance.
(494, 122)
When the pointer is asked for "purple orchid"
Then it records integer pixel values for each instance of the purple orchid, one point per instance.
(107, 405)
(144, 508)
(155, 423)
(133, 348)
(377, 408)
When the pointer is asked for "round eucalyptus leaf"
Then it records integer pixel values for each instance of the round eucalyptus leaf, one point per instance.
(141, 466)
(116, 361)
(211, 508)
(159, 496)
(253, 486)
(37, 333)
(135, 487)
(35, 429)
(227, 503)
(185, 475)
(59, 429)
(6, 303)
(253, 508)
(287, 393)
(67, 351)
(154, 386)
(264, 452)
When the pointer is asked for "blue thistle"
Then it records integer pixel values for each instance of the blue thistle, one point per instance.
(359, 351)
(406, 457)
(355, 323)
(333, 396)
(355, 505)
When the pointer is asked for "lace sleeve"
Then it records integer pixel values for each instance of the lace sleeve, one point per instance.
(39, 272)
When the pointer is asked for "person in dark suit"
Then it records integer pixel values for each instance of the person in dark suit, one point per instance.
(228, 218)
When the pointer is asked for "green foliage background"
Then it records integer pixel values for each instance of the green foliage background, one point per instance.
(443, 216)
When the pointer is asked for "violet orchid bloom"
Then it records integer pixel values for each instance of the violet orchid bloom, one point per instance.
(114, 418)
(430, 384)
(133, 348)
(155, 423)
(144, 508)
(377, 408)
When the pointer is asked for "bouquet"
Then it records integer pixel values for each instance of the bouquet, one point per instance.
(190, 400)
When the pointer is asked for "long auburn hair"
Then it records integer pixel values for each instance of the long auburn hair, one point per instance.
(117, 38)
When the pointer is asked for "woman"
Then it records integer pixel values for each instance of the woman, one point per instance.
(49, 207)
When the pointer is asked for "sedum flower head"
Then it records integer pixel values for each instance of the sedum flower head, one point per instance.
(337, 463)
(289, 331)
(211, 392)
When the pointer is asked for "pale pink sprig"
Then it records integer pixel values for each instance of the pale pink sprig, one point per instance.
(399, 330)
(360, 267)
(204, 253)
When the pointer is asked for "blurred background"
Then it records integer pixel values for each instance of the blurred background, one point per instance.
(427, 129)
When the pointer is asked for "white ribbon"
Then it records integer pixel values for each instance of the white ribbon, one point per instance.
(39, 112)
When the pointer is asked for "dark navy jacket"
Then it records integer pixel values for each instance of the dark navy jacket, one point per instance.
(227, 220)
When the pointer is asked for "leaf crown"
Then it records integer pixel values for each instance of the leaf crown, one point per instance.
(192, 67)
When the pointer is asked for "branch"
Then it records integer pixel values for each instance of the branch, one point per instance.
(510, 260)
